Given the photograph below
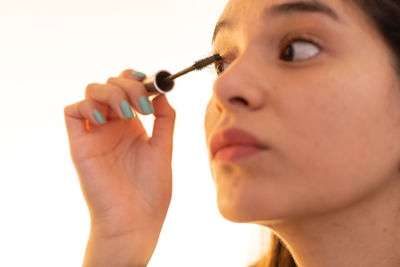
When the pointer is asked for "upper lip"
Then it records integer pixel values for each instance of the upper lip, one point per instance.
(231, 137)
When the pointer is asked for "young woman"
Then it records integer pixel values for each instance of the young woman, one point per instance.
(303, 132)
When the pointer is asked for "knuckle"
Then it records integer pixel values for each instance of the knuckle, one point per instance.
(138, 87)
(83, 103)
(115, 94)
(126, 73)
(80, 108)
(66, 109)
(134, 89)
(89, 88)
(172, 113)
(111, 80)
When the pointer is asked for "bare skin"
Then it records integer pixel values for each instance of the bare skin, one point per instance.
(329, 182)
(327, 112)
(127, 197)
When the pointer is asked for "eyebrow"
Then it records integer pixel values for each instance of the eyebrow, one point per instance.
(286, 9)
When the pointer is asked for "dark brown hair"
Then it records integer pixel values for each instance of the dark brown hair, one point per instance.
(385, 15)
(278, 255)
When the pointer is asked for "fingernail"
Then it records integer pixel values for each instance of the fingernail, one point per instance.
(99, 117)
(126, 109)
(145, 105)
(139, 74)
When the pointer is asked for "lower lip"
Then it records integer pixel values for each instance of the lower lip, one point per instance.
(231, 153)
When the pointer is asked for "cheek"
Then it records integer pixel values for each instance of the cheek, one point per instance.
(341, 141)
(210, 119)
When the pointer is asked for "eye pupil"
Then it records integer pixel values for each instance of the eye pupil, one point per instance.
(220, 68)
(288, 54)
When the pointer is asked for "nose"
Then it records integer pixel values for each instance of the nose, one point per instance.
(237, 87)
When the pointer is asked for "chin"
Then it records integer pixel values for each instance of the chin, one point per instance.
(243, 206)
(234, 214)
(240, 203)
(249, 195)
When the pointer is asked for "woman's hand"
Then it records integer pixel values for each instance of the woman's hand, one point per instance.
(125, 175)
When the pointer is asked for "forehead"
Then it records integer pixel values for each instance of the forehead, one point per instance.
(249, 14)
(241, 8)
(237, 9)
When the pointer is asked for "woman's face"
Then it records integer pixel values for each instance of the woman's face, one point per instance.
(314, 85)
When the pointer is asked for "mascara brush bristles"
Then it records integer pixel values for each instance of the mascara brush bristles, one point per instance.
(198, 65)
(207, 61)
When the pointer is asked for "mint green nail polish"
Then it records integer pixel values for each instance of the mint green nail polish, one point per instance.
(139, 74)
(99, 117)
(126, 109)
(145, 105)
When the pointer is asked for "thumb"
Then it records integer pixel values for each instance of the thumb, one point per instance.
(164, 123)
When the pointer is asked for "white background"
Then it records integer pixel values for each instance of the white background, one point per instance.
(49, 52)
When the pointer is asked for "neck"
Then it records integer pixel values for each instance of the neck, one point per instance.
(365, 234)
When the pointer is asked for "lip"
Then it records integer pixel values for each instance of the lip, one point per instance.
(234, 143)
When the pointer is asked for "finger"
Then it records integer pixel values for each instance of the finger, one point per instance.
(78, 113)
(132, 74)
(113, 96)
(164, 123)
(87, 109)
(136, 93)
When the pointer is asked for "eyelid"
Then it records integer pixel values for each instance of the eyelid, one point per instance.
(227, 54)
(296, 36)
(223, 60)
(290, 37)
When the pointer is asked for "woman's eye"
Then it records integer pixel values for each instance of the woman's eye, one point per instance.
(221, 67)
(299, 50)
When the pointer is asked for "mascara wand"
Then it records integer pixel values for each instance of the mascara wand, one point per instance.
(163, 82)
(198, 65)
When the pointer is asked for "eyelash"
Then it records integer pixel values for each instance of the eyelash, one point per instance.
(286, 41)
(218, 64)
